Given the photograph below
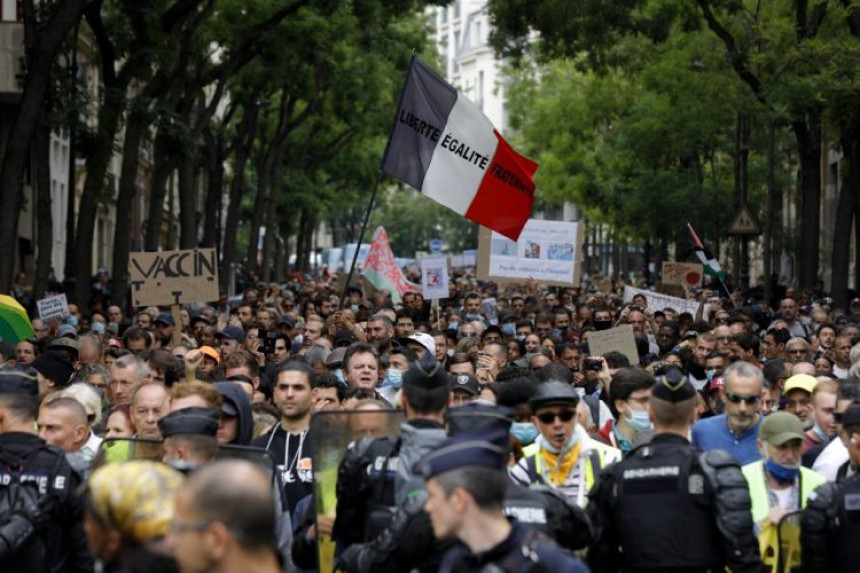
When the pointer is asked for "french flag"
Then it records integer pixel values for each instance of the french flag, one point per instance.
(445, 147)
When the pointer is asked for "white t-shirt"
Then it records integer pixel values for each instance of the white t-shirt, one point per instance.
(831, 459)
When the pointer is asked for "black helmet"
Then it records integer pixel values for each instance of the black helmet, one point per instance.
(553, 392)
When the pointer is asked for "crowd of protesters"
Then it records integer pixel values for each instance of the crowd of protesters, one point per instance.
(771, 392)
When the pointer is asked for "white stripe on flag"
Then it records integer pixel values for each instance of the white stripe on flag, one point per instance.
(452, 179)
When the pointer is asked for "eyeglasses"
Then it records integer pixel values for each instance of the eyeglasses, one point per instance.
(738, 398)
(549, 417)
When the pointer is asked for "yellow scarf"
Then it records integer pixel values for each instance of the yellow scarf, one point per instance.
(557, 469)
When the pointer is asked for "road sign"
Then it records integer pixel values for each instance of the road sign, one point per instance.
(743, 223)
(435, 245)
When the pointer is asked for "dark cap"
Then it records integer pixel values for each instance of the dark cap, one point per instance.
(67, 330)
(673, 386)
(553, 392)
(286, 321)
(195, 421)
(197, 317)
(490, 421)
(55, 367)
(492, 328)
(164, 318)
(233, 333)
(466, 383)
(343, 337)
(335, 358)
(426, 373)
(64, 344)
(506, 315)
(19, 381)
(466, 450)
(851, 416)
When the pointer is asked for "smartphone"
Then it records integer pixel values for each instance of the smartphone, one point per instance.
(267, 339)
(593, 364)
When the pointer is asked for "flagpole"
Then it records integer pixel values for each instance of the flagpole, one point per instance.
(360, 237)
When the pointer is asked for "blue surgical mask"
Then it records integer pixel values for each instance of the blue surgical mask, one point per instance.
(553, 450)
(638, 420)
(509, 328)
(521, 337)
(557, 333)
(782, 474)
(393, 378)
(453, 325)
(820, 433)
(99, 327)
(524, 432)
(72, 320)
(474, 318)
(354, 308)
(450, 352)
(710, 373)
(339, 375)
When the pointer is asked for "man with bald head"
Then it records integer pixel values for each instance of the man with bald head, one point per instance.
(229, 504)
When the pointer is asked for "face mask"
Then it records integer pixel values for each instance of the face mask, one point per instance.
(524, 432)
(99, 327)
(820, 433)
(393, 378)
(782, 474)
(450, 352)
(553, 450)
(298, 340)
(354, 308)
(710, 373)
(557, 333)
(453, 325)
(72, 320)
(638, 420)
(521, 337)
(602, 324)
(474, 318)
(509, 329)
(339, 375)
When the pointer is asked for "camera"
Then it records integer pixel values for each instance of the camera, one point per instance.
(593, 364)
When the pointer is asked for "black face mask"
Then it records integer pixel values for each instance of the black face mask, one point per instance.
(602, 324)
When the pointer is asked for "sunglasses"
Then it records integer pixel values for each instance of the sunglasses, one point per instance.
(549, 417)
(738, 398)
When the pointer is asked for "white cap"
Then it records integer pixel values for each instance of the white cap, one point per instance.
(424, 340)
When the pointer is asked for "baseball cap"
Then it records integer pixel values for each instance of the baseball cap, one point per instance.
(423, 339)
(466, 383)
(780, 427)
(67, 330)
(465, 450)
(803, 382)
(343, 337)
(165, 318)
(286, 321)
(211, 353)
(233, 333)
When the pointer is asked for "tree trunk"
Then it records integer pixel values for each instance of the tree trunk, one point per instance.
(844, 221)
(44, 218)
(808, 135)
(213, 152)
(770, 213)
(43, 44)
(161, 169)
(125, 200)
(187, 205)
(243, 145)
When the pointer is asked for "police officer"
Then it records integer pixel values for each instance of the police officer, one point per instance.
(466, 483)
(189, 436)
(830, 526)
(408, 542)
(667, 505)
(37, 488)
(376, 476)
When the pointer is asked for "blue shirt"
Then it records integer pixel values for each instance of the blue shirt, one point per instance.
(714, 434)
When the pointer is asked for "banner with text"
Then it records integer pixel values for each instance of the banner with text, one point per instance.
(53, 308)
(173, 277)
(548, 251)
(658, 301)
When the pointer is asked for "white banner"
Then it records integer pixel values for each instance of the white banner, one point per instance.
(657, 301)
(434, 278)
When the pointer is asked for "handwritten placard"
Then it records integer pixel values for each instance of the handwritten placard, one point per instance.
(173, 277)
(618, 339)
(53, 308)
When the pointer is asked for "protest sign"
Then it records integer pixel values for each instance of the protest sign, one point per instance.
(548, 251)
(658, 301)
(53, 308)
(173, 277)
(687, 274)
(619, 339)
(434, 278)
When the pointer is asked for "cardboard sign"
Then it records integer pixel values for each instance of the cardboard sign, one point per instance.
(434, 278)
(53, 308)
(658, 301)
(547, 251)
(618, 339)
(687, 274)
(173, 277)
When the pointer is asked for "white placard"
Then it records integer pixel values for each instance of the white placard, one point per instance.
(434, 278)
(53, 308)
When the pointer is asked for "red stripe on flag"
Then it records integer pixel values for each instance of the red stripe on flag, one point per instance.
(504, 199)
(696, 242)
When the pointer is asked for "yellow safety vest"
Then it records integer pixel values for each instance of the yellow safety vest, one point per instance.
(782, 542)
(596, 456)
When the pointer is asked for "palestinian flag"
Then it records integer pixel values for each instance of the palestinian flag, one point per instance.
(381, 269)
(445, 147)
(711, 264)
